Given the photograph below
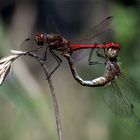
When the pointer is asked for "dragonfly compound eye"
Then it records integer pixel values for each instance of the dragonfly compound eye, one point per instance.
(112, 53)
(40, 38)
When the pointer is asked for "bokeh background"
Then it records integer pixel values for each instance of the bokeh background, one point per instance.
(26, 111)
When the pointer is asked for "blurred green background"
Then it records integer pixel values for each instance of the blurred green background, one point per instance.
(26, 111)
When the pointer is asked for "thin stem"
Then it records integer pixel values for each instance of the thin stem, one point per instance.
(54, 99)
(53, 94)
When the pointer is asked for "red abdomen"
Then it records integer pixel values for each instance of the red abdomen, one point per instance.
(74, 47)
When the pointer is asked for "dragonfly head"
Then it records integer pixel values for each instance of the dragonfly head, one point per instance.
(112, 53)
(40, 38)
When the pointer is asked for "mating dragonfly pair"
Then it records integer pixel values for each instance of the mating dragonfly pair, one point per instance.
(116, 98)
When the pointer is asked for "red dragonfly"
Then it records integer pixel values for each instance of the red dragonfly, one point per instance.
(119, 89)
(56, 42)
(115, 98)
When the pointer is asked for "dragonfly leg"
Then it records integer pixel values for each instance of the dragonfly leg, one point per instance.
(44, 55)
(44, 58)
(91, 62)
(59, 61)
(95, 62)
(100, 55)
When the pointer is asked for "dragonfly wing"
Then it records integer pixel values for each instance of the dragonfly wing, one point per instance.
(29, 45)
(99, 29)
(51, 26)
(117, 101)
(88, 54)
(129, 86)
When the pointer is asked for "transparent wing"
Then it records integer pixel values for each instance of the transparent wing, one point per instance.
(86, 54)
(129, 86)
(119, 104)
(51, 26)
(99, 29)
(29, 45)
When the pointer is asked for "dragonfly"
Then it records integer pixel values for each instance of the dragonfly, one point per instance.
(56, 42)
(116, 83)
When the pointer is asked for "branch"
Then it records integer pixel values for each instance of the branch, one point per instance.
(5, 65)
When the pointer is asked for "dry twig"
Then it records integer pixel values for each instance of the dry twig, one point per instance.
(5, 65)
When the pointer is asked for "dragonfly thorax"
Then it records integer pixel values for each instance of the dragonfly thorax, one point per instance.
(54, 40)
(57, 42)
